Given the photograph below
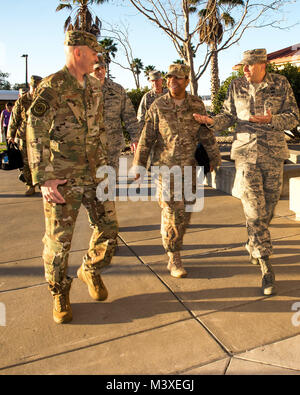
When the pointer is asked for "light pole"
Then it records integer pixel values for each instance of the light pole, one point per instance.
(26, 69)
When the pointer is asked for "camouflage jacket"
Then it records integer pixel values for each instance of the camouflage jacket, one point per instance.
(252, 140)
(145, 104)
(117, 109)
(174, 134)
(65, 130)
(18, 119)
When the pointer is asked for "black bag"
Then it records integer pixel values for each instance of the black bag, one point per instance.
(202, 158)
(11, 158)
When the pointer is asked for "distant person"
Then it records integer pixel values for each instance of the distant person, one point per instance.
(262, 105)
(118, 110)
(17, 129)
(157, 90)
(4, 120)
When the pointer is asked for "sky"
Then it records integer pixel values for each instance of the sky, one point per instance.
(33, 27)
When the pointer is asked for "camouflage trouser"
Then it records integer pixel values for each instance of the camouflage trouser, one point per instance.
(25, 170)
(174, 219)
(60, 222)
(262, 184)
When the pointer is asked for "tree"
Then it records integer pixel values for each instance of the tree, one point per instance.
(4, 85)
(137, 67)
(109, 51)
(147, 70)
(83, 19)
(121, 35)
(177, 20)
(212, 22)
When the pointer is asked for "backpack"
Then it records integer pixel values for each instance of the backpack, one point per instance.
(11, 158)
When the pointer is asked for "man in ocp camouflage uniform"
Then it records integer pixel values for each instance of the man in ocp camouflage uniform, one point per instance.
(157, 90)
(66, 145)
(173, 133)
(262, 105)
(118, 109)
(17, 129)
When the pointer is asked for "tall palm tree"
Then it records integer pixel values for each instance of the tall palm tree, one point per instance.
(147, 70)
(136, 68)
(83, 19)
(212, 22)
(109, 51)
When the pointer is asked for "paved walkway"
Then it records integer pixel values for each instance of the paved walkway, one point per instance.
(215, 321)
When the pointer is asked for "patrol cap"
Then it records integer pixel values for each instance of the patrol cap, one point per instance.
(179, 70)
(79, 37)
(154, 75)
(253, 56)
(100, 63)
(35, 80)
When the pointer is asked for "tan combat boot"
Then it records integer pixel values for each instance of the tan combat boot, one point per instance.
(62, 311)
(96, 287)
(30, 191)
(175, 265)
(268, 277)
(252, 260)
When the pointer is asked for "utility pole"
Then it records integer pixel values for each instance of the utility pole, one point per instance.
(26, 69)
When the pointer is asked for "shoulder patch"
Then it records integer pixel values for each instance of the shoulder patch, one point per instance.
(40, 107)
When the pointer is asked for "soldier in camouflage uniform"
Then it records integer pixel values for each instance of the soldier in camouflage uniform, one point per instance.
(262, 105)
(118, 109)
(157, 90)
(17, 129)
(174, 134)
(66, 145)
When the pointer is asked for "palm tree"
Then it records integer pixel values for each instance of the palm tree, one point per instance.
(136, 68)
(83, 19)
(147, 70)
(178, 61)
(109, 50)
(211, 29)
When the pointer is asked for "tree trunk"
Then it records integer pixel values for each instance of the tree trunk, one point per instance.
(214, 79)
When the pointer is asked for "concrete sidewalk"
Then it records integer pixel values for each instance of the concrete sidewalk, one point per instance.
(215, 321)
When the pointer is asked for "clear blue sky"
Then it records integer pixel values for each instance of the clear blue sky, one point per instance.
(33, 27)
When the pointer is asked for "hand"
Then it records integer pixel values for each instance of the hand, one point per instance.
(133, 147)
(11, 140)
(203, 119)
(50, 192)
(137, 176)
(261, 118)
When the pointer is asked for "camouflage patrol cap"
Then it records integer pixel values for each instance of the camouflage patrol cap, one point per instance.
(154, 75)
(254, 56)
(179, 70)
(35, 80)
(100, 63)
(79, 37)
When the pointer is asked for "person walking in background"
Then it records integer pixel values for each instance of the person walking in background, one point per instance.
(4, 121)
(17, 129)
(118, 110)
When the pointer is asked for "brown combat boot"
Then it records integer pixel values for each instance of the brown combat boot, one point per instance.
(30, 191)
(175, 265)
(268, 277)
(96, 287)
(62, 311)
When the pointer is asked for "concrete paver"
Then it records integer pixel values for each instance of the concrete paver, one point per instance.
(213, 322)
